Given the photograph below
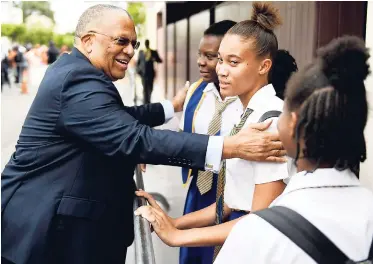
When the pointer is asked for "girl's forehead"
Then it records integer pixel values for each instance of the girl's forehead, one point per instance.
(235, 45)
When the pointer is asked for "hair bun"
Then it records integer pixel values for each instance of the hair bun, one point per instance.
(266, 15)
(345, 62)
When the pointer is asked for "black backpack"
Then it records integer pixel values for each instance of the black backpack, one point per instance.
(306, 236)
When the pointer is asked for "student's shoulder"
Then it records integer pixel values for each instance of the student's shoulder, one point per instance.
(272, 103)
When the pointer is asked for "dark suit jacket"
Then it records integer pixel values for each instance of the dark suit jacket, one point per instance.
(68, 189)
(146, 68)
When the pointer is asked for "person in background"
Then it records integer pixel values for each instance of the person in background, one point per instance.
(145, 68)
(284, 66)
(52, 53)
(5, 65)
(64, 49)
(322, 128)
(20, 62)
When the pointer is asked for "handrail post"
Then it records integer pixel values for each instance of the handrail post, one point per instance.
(144, 251)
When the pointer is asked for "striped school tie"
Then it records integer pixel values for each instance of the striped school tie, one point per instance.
(221, 179)
(205, 178)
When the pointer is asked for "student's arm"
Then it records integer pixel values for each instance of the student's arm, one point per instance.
(202, 237)
(265, 193)
(165, 228)
(268, 179)
(201, 218)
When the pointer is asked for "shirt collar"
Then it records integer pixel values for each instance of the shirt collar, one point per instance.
(261, 96)
(211, 87)
(321, 178)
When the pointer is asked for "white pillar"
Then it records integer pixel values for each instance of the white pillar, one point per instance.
(366, 172)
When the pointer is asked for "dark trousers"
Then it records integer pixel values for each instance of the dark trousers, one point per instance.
(4, 78)
(18, 74)
(147, 84)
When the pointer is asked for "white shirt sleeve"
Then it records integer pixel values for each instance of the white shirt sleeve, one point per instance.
(253, 240)
(214, 154)
(168, 108)
(243, 244)
(270, 171)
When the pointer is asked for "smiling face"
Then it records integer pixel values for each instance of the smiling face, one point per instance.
(105, 53)
(207, 57)
(239, 70)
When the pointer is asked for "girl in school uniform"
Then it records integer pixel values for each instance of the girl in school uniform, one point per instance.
(246, 55)
(199, 117)
(322, 128)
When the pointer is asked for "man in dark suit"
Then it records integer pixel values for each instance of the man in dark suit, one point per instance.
(68, 189)
(145, 67)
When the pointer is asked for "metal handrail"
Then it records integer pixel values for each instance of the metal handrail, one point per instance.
(144, 251)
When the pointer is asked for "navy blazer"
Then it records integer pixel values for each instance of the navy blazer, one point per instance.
(68, 189)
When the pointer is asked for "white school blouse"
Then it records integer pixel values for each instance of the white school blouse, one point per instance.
(344, 215)
(241, 175)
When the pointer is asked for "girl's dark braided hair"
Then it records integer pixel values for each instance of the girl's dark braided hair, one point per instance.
(284, 65)
(330, 99)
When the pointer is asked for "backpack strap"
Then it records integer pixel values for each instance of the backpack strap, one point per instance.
(268, 115)
(304, 234)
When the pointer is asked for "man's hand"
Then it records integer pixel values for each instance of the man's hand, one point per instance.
(255, 144)
(178, 101)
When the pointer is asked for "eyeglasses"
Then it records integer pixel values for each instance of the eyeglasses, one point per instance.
(124, 42)
(209, 57)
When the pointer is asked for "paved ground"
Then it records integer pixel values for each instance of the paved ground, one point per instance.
(163, 179)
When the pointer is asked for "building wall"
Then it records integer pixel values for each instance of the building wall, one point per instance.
(171, 61)
(181, 54)
(306, 26)
(296, 34)
(366, 172)
(198, 24)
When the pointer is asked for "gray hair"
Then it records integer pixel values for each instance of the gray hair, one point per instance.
(94, 13)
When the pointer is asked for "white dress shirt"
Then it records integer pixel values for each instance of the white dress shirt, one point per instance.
(241, 175)
(344, 215)
(206, 112)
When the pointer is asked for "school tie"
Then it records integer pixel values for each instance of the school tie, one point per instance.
(205, 178)
(221, 179)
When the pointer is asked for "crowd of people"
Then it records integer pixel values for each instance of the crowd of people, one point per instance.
(20, 58)
(270, 153)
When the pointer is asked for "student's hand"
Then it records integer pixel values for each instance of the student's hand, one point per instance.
(153, 203)
(161, 223)
(179, 99)
(253, 143)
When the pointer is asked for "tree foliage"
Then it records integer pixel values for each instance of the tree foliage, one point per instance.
(138, 13)
(23, 35)
(40, 7)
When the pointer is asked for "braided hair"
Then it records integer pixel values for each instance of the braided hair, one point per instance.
(330, 99)
(284, 65)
